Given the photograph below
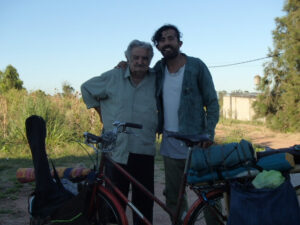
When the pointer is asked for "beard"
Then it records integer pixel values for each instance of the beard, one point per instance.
(170, 54)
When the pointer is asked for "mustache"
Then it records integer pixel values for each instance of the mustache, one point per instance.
(167, 46)
(140, 65)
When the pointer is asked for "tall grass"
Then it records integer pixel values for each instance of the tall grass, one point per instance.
(66, 119)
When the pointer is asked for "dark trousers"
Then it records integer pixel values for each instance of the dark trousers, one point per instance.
(141, 167)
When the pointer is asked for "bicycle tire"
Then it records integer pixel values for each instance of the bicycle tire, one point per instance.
(107, 210)
(199, 211)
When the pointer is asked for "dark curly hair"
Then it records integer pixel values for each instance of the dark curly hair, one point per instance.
(157, 35)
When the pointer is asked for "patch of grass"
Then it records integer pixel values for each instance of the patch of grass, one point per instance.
(6, 211)
(2, 167)
(235, 135)
(11, 165)
(18, 184)
(13, 197)
(2, 195)
(68, 155)
(12, 190)
(258, 148)
(232, 121)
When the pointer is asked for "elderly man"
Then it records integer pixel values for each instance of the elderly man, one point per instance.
(129, 96)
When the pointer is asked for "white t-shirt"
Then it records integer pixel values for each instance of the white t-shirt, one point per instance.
(171, 98)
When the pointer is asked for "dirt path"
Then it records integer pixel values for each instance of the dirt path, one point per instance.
(258, 135)
(14, 212)
(16, 209)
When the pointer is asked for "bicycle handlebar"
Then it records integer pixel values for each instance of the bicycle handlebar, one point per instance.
(133, 125)
(118, 124)
(91, 138)
(110, 136)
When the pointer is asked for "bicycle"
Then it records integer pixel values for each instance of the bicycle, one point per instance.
(105, 208)
(104, 196)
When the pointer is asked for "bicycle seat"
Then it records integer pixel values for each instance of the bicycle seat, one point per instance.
(191, 139)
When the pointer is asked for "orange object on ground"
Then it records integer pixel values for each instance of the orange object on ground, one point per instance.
(26, 175)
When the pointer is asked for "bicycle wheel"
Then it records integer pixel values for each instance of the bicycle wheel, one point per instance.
(211, 213)
(107, 211)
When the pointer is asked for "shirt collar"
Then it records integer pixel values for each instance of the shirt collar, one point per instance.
(127, 72)
(187, 64)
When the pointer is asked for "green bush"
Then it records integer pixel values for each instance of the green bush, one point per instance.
(66, 118)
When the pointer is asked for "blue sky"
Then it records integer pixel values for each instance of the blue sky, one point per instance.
(53, 41)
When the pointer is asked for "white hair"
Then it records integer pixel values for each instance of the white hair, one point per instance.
(140, 44)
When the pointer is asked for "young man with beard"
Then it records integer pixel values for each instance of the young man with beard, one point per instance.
(129, 96)
(187, 104)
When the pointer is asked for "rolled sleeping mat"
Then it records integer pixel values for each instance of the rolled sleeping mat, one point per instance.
(26, 175)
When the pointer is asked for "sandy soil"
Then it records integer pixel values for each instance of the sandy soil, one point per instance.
(17, 209)
(258, 135)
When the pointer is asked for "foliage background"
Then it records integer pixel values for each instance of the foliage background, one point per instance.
(279, 99)
(66, 118)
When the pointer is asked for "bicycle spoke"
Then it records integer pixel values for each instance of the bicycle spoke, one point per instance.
(208, 213)
(106, 212)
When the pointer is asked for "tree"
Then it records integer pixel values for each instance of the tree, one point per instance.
(279, 98)
(10, 80)
(68, 90)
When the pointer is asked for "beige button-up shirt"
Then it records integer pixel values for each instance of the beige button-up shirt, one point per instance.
(120, 100)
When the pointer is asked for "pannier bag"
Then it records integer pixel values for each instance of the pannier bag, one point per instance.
(266, 206)
(294, 150)
(281, 162)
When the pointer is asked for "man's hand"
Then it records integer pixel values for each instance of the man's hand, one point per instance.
(206, 144)
(122, 65)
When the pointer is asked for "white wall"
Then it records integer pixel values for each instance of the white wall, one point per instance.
(239, 108)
